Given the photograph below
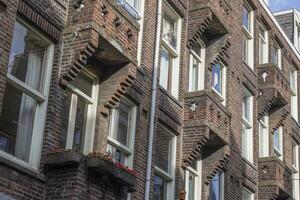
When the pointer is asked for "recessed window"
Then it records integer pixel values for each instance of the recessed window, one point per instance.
(197, 65)
(216, 187)
(278, 142)
(122, 132)
(193, 181)
(25, 97)
(169, 56)
(264, 137)
(165, 161)
(219, 80)
(263, 44)
(276, 55)
(294, 93)
(248, 42)
(247, 195)
(79, 113)
(295, 176)
(247, 125)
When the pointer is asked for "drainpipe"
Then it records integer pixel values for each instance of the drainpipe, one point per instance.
(153, 99)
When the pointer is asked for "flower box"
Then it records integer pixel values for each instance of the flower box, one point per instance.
(64, 157)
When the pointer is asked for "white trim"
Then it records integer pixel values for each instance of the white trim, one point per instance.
(294, 93)
(201, 68)
(250, 35)
(223, 83)
(141, 32)
(197, 180)
(279, 152)
(265, 47)
(263, 128)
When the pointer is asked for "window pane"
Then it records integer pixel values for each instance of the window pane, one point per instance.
(191, 187)
(277, 139)
(294, 153)
(133, 3)
(245, 49)
(27, 57)
(16, 123)
(160, 188)
(163, 149)
(165, 65)
(194, 165)
(246, 19)
(217, 78)
(80, 121)
(84, 84)
(170, 28)
(65, 120)
(247, 195)
(197, 49)
(195, 73)
(214, 189)
(123, 123)
(275, 55)
(116, 154)
(246, 107)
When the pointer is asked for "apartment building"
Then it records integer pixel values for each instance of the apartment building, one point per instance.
(147, 99)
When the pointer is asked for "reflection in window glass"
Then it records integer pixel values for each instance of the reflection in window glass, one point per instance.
(160, 188)
(217, 78)
(170, 28)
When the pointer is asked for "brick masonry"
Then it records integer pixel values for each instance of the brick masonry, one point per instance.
(103, 37)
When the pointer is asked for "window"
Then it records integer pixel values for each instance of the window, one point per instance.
(276, 55)
(193, 181)
(278, 150)
(25, 97)
(219, 80)
(263, 45)
(197, 65)
(298, 37)
(122, 132)
(295, 177)
(247, 125)
(79, 113)
(169, 57)
(132, 7)
(216, 188)
(248, 29)
(247, 195)
(294, 92)
(165, 161)
(264, 137)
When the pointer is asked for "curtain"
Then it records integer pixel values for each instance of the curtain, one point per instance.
(28, 106)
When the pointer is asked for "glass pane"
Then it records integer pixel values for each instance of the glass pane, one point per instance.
(214, 189)
(294, 153)
(246, 195)
(246, 19)
(165, 63)
(292, 80)
(276, 139)
(245, 49)
(160, 188)
(133, 3)
(84, 84)
(170, 28)
(65, 120)
(191, 187)
(246, 109)
(275, 56)
(80, 120)
(16, 123)
(116, 154)
(217, 78)
(27, 57)
(163, 149)
(197, 49)
(195, 73)
(123, 123)
(194, 165)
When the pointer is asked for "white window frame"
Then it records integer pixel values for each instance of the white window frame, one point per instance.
(249, 34)
(263, 45)
(89, 130)
(141, 32)
(174, 53)
(221, 184)
(294, 93)
(264, 137)
(279, 152)
(41, 107)
(127, 150)
(201, 68)
(197, 173)
(247, 192)
(169, 177)
(247, 130)
(276, 47)
(224, 82)
(296, 173)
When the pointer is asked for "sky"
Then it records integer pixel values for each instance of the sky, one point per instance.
(277, 5)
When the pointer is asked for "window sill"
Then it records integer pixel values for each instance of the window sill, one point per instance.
(168, 94)
(26, 170)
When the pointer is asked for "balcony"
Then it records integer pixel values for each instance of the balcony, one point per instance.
(274, 88)
(206, 125)
(275, 178)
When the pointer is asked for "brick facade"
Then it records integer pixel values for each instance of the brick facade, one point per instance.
(103, 37)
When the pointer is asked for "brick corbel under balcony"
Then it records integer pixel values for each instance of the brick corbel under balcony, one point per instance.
(223, 51)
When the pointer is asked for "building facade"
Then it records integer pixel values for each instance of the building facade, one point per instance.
(148, 99)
